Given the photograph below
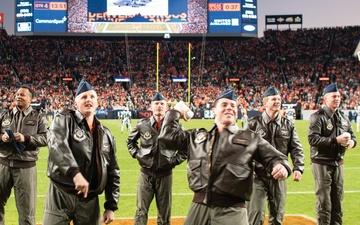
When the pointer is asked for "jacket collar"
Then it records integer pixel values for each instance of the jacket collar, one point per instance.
(26, 111)
(79, 117)
(232, 128)
(267, 120)
(329, 113)
(153, 121)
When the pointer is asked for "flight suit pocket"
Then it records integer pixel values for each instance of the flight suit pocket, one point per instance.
(236, 180)
(195, 174)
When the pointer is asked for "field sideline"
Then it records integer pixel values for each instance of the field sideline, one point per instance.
(300, 199)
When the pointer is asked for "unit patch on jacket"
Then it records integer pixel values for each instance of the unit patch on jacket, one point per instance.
(329, 125)
(262, 132)
(106, 148)
(6, 122)
(200, 137)
(79, 135)
(147, 135)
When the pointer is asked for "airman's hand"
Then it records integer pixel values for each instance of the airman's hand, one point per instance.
(297, 175)
(19, 137)
(279, 172)
(5, 138)
(108, 216)
(81, 184)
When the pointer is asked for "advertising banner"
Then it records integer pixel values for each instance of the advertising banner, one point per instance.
(283, 19)
(50, 16)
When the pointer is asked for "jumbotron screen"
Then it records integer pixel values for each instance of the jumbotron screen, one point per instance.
(137, 17)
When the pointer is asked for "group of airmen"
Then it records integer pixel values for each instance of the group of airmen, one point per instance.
(232, 172)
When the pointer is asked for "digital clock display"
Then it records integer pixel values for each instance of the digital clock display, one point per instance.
(50, 6)
(213, 7)
(58, 6)
(231, 7)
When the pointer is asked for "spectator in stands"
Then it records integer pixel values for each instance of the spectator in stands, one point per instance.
(330, 134)
(156, 163)
(81, 165)
(23, 132)
(303, 69)
(216, 158)
(280, 132)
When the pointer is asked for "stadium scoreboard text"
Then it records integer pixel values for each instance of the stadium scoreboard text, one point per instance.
(41, 16)
(140, 17)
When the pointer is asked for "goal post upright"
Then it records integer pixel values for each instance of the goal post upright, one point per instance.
(157, 67)
(189, 73)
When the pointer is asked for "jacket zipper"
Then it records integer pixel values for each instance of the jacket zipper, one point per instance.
(207, 195)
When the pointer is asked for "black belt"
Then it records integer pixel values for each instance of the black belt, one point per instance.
(13, 163)
(156, 173)
(219, 200)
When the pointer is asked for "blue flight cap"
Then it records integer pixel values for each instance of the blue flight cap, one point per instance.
(229, 94)
(83, 86)
(331, 88)
(158, 97)
(271, 91)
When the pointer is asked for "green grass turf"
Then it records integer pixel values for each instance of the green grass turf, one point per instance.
(300, 198)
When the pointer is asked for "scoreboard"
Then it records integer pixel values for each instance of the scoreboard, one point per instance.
(41, 16)
(137, 17)
(232, 16)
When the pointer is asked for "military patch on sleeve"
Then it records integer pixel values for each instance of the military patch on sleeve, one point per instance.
(147, 135)
(79, 135)
(262, 132)
(200, 137)
(105, 148)
(6, 122)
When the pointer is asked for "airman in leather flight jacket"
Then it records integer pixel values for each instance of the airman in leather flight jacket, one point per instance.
(70, 144)
(322, 134)
(34, 129)
(155, 159)
(283, 137)
(227, 180)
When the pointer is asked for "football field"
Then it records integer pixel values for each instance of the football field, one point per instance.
(300, 198)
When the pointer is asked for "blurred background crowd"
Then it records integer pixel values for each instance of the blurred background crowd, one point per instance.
(299, 63)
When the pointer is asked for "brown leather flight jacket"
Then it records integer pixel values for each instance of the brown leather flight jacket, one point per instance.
(34, 127)
(153, 157)
(280, 133)
(74, 148)
(324, 127)
(220, 164)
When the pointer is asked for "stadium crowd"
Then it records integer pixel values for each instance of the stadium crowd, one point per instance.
(296, 62)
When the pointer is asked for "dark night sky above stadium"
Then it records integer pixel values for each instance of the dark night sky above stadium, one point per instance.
(316, 13)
